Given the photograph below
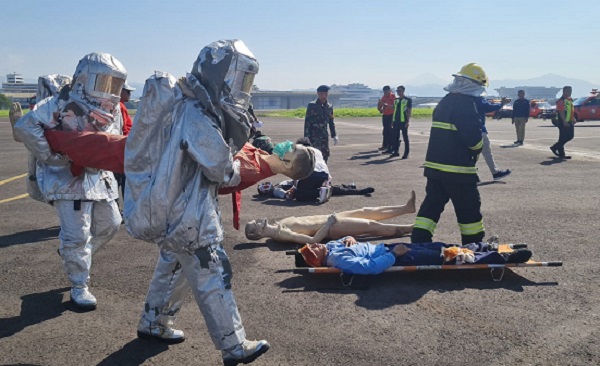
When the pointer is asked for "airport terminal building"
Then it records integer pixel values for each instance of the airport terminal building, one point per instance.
(17, 90)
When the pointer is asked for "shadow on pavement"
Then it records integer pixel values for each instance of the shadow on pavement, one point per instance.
(35, 308)
(490, 182)
(364, 155)
(385, 160)
(28, 237)
(552, 161)
(389, 289)
(290, 203)
(273, 201)
(273, 246)
(135, 352)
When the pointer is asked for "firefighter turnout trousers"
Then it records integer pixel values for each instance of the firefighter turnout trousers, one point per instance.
(467, 206)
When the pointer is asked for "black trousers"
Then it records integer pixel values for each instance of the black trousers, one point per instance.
(349, 190)
(307, 189)
(565, 134)
(386, 121)
(120, 178)
(400, 127)
(467, 206)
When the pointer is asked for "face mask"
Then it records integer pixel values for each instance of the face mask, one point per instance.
(282, 148)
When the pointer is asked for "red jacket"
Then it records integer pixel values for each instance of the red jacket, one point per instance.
(126, 119)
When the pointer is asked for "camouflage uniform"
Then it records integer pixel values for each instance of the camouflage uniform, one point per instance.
(318, 116)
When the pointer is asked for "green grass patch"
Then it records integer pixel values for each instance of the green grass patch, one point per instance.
(3, 113)
(340, 113)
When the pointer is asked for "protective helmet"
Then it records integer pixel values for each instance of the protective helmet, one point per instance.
(474, 72)
(265, 188)
(227, 69)
(101, 76)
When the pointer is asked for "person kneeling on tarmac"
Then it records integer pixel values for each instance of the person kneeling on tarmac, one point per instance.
(316, 187)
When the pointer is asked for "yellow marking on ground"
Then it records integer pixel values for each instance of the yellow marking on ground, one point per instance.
(15, 198)
(13, 178)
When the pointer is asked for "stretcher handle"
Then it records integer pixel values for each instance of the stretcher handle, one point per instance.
(555, 264)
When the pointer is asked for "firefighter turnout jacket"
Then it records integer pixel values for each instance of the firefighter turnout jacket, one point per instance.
(455, 140)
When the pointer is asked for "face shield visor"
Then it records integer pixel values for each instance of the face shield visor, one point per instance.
(105, 86)
(241, 73)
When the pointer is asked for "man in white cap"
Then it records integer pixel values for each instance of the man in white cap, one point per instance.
(127, 123)
(125, 96)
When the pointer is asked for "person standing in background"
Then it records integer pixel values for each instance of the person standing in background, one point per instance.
(127, 123)
(402, 114)
(520, 116)
(566, 123)
(125, 96)
(385, 106)
(319, 114)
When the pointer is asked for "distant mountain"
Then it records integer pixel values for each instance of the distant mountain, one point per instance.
(580, 87)
(426, 79)
(430, 86)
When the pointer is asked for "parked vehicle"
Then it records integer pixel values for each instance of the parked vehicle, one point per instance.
(539, 108)
(504, 112)
(548, 113)
(588, 108)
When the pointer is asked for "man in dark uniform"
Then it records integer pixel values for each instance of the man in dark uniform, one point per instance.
(455, 142)
(319, 114)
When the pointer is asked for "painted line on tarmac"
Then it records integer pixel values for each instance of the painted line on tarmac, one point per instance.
(15, 198)
(13, 178)
(586, 154)
(546, 149)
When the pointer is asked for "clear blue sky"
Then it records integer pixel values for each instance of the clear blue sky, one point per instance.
(304, 43)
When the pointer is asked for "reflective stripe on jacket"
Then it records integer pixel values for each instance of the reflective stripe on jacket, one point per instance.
(455, 140)
(569, 109)
(400, 114)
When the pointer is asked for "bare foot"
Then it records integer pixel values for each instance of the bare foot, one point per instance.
(404, 230)
(410, 205)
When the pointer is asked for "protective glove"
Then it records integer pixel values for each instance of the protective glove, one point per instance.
(13, 116)
(336, 140)
(236, 178)
(57, 160)
(232, 148)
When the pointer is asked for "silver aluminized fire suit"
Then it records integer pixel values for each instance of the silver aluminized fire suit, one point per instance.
(48, 86)
(175, 204)
(89, 216)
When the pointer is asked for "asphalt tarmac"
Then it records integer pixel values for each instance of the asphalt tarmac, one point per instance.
(534, 316)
